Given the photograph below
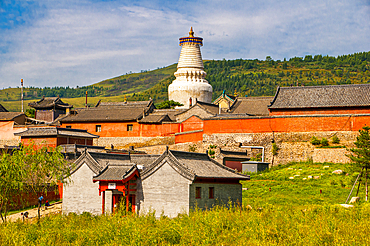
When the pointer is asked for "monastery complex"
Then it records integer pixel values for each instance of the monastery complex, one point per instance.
(172, 160)
(289, 119)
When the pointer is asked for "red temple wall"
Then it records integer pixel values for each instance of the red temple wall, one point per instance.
(192, 124)
(42, 141)
(108, 129)
(189, 137)
(286, 124)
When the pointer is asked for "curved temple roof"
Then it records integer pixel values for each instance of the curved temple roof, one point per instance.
(356, 95)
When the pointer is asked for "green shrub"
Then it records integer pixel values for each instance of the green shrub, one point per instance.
(315, 141)
(211, 146)
(335, 139)
(211, 152)
(324, 142)
(192, 148)
(274, 149)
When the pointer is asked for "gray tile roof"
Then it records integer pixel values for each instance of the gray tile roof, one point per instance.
(205, 167)
(2, 109)
(193, 166)
(55, 131)
(112, 159)
(152, 118)
(49, 102)
(113, 164)
(143, 160)
(170, 112)
(211, 108)
(125, 104)
(357, 95)
(251, 105)
(111, 112)
(9, 115)
(115, 172)
(208, 108)
(233, 154)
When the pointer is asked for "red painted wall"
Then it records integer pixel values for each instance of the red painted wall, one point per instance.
(42, 141)
(54, 141)
(299, 123)
(64, 140)
(189, 137)
(108, 129)
(26, 198)
(234, 165)
(119, 129)
(286, 124)
(191, 124)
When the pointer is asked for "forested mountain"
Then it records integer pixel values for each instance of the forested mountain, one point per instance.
(261, 78)
(246, 77)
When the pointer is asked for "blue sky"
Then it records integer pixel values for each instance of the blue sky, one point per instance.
(70, 43)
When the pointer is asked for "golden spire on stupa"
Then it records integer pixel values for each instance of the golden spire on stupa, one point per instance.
(191, 33)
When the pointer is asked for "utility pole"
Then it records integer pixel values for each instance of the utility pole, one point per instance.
(22, 94)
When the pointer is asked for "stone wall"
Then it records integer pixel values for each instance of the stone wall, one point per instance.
(292, 146)
(125, 142)
(9, 142)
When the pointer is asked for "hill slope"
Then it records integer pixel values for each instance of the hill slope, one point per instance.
(246, 77)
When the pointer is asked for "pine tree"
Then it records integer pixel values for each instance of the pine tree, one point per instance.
(361, 154)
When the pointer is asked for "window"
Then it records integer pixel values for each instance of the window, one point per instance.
(211, 192)
(130, 128)
(98, 128)
(69, 127)
(198, 192)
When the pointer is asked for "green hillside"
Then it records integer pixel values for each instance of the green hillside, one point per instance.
(246, 77)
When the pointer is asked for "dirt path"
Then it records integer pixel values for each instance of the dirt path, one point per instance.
(55, 208)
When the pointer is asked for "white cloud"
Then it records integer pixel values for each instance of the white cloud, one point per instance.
(70, 44)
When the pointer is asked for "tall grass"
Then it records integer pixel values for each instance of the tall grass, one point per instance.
(273, 225)
(294, 212)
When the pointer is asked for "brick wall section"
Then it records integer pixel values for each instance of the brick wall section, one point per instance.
(223, 195)
(165, 191)
(81, 194)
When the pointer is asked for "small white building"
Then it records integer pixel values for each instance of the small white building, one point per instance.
(172, 183)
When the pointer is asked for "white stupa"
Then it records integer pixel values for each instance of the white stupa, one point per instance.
(190, 85)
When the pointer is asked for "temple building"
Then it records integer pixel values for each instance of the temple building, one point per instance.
(190, 84)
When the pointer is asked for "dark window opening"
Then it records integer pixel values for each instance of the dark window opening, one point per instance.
(197, 192)
(98, 128)
(130, 128)
(211, 192)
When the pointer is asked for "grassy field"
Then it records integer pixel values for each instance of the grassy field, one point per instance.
(294, 212)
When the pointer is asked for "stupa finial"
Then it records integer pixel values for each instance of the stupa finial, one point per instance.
(191, 33)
